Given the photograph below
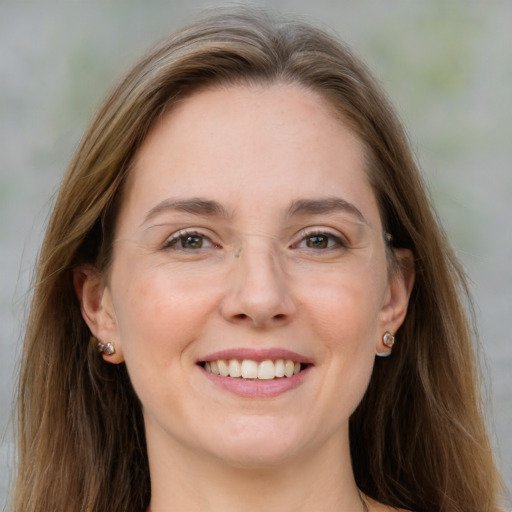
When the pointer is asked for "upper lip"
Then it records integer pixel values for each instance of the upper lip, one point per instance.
(259, 354)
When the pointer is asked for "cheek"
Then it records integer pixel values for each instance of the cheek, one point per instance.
(345, 310)
(344, 314)
(158, 312)
(159, 316)
(342, 317)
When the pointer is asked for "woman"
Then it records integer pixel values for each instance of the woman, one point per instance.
(241, 232)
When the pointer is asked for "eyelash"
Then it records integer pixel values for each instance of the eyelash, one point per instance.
(338, 242)
(181, 236)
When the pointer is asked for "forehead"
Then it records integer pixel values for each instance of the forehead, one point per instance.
(275, 143)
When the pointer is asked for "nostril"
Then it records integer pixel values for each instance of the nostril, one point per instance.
(279, 317)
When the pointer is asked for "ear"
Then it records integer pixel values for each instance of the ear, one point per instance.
(396, 301)
(97, 308)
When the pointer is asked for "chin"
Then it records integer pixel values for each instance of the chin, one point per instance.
(259, 444)
(256, 458)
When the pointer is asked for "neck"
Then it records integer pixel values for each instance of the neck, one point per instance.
(321, 480)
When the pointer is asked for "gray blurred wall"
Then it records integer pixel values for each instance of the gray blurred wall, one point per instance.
(446, 65)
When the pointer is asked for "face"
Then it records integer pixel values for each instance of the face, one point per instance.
(249, 242)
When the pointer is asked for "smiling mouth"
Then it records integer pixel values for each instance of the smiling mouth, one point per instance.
(248, 369)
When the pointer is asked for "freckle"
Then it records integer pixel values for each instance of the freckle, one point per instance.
(237, 253)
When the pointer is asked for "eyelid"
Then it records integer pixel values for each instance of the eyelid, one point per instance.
(341, 239)
(172, 240)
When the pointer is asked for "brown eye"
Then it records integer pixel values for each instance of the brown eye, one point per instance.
(317, 242)
(320, 241)
(191, 242)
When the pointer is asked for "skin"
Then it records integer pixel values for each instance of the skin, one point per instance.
(258, 281)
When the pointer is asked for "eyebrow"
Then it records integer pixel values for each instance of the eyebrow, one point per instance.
(199, 206)
(194, 206)
(324, 205)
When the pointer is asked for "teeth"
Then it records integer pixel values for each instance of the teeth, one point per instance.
(249, 369)
(223, 368)
(279, 368)
(235, 369)
(288, 368)
(266, 370)
(214, 367)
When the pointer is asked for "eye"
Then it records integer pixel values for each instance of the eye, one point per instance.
(189, 240)
(319, 241)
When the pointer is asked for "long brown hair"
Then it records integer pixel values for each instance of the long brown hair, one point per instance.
(418, 439)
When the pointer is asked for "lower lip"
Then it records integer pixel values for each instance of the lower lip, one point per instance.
(257, 388)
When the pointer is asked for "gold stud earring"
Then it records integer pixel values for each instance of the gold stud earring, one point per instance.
(105, 348)
(388, 339)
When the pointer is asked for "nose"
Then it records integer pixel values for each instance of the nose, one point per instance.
(259, 291)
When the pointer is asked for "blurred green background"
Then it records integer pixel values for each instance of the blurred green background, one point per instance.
(447, 66)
